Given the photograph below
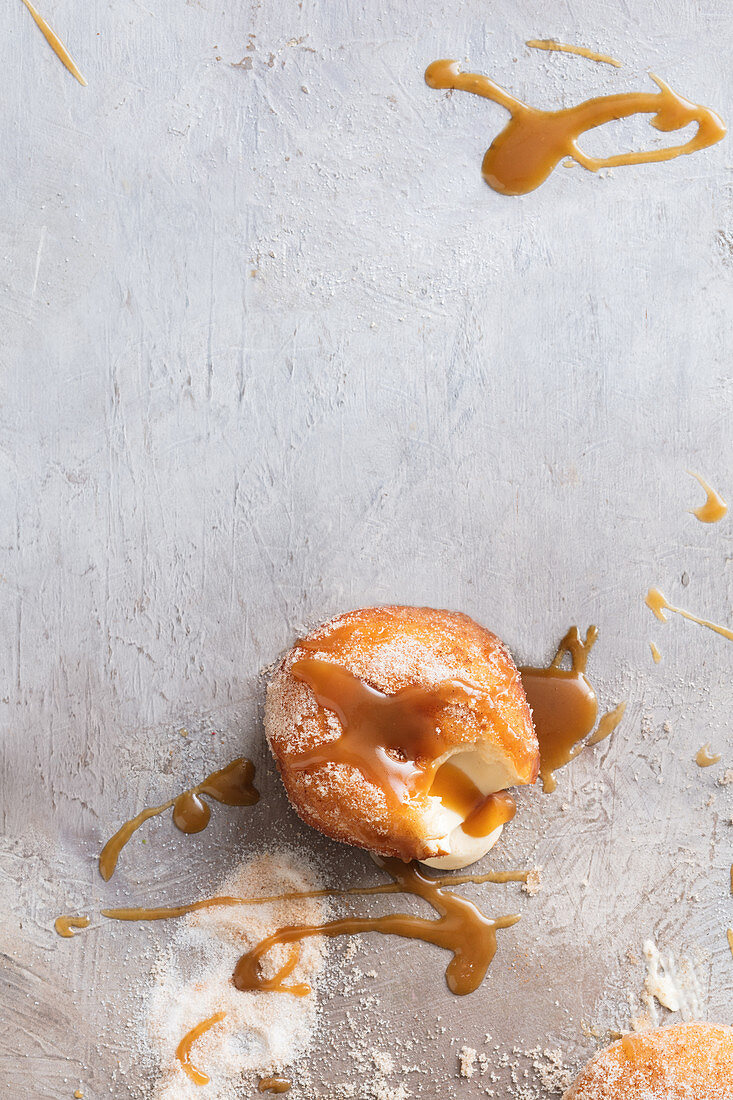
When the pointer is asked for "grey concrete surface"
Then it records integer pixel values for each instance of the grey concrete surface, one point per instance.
(271, 349)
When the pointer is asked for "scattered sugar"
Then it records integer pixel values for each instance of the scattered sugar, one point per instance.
(533, 884)
(467, 1061)
(259, 1034)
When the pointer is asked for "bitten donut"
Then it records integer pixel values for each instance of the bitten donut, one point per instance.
(681, 1062)
(398, 729)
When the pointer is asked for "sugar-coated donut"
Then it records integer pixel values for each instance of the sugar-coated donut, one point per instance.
(362, 714)
(681, 1062)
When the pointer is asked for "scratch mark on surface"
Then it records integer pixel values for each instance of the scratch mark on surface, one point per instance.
(38, 260)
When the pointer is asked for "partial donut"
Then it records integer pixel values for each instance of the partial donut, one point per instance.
(681, 1062)
(393, 726)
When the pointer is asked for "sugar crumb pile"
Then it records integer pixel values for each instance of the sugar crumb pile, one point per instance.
(259, 1034)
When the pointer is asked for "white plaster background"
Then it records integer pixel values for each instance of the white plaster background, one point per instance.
(271, 349)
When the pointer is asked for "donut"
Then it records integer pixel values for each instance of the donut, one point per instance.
(398, 729)
(681, 1062)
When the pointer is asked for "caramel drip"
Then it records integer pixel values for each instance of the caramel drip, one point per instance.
(730, 940)
(705, 757)
(183, 1051)
(393, 740)
(461, 929)
(533, 142)
(168, 912)
(55, 43)
(274, 1084)
(580, 51)
(656, 655)
(564, 705)
(64, 925)
(608, 723)
(714, 507)
(481, 813)
(232, 785)
(658, 604)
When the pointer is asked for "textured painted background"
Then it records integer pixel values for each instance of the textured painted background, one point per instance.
(271, 349)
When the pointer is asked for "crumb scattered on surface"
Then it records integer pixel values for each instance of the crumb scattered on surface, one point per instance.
(534, 882)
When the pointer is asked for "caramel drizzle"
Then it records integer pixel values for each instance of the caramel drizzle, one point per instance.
(460, 928)
(705, 757)
(608, 723)
(183, 1051)
(562, 47)
(274, 1084)
(658, 604)
(714, 507)
(533, 142)
(656, 655)
(393, 740)
(169, 912)
(55, 43)
(65, 925)
(232, 785)
(730, 940)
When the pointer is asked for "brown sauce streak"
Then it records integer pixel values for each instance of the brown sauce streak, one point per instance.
(183, 1051)
(55, 43)
(274, 1084)
(658, 604)
(65, 925)
(169, 912)
(460, 928)
(714, 508)
(533, 142)
(232, 785)
(580, 51)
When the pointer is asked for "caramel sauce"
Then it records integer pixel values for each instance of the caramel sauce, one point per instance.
(658, 604)
(534, 141)
(481, 813)
(231, 785)
(714, 507)
(730, 940)
(183, 1051)
(564, 705)
(64, 925)
(393, 740)
(274, 1084)
(608, 723)
(169, 912)
(656, 655)
(55, 43)
(460, 928)
(705, 757)
(581, 51)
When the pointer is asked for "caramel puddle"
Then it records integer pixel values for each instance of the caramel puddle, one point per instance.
(460, 928)
(55, 43)
(533, 142)
(183, 1051)
(705, 757)
(714, 508)
(232, 785)
(65, 925)
(274, 1084)
(658, 604)
(562, 47)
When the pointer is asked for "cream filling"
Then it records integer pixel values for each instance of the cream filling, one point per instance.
(489, 774)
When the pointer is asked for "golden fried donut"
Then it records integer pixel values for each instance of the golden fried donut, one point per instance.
(681, 1062)
(364, 714)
